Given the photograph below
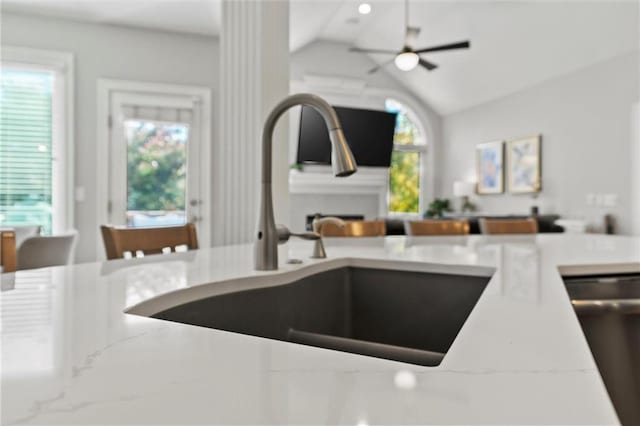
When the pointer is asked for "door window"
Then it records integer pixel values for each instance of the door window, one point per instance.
(156, 173)
(155, 177)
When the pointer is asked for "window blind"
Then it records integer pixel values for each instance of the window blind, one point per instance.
(163, 114)
(26, 107)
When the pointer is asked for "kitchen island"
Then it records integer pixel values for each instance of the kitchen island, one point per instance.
(78, 346)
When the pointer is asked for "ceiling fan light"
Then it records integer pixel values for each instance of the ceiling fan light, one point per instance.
(364, 9)
(406, 61)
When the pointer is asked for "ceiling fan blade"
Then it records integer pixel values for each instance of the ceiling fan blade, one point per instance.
(379, 66)
(451, 46)
(358, 49)
(428, 65)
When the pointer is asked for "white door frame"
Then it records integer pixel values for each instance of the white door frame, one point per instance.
(118, 180)
(201, 95)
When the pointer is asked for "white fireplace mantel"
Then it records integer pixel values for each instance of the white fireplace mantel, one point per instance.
(362, 182)
(320, 180)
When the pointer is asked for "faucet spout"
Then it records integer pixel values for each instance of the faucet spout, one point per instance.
(342, 161)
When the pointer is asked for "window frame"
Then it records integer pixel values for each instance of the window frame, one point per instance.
(61, 64)
(422, 149)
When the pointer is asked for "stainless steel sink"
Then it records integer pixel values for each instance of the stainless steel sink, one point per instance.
(404, 316)
(608, 308)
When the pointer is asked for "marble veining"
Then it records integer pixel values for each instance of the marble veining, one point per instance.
(71, 354)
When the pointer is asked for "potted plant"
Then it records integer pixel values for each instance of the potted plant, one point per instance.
(437, 208)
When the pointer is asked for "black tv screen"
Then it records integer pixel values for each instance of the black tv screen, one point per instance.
(369, 134)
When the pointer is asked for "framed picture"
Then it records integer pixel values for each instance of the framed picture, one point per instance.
(489, 167)
(523, 164)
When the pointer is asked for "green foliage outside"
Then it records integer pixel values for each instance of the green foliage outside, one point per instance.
(404, 174)
(406, 131)
(404, 182)
(156, 166)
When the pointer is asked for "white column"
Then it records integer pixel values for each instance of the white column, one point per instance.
(254, 76)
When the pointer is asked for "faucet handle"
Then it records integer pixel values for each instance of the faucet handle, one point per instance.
(320, 221)
(284, 234)
(306, 235)
(318, 247)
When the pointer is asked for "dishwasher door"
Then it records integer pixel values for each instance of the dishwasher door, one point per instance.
(608, 309)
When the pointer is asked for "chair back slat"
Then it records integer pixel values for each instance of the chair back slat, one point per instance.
(436, 227)
(355, 228)
(118, 241)
(508, 226)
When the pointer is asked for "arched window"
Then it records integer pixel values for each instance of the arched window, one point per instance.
(406, 168)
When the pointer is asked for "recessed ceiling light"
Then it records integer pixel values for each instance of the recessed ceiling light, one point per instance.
(364, 8)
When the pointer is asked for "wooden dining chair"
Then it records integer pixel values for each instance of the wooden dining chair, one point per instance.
(41, 251)
(8, 257)
(436, 227)
(26, 231)
(355, 228)
(120, 241)
(508, 226)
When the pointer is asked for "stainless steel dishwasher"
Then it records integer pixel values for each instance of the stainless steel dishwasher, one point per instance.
(608, 308)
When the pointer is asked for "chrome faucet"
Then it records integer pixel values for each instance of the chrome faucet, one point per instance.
(342, 161)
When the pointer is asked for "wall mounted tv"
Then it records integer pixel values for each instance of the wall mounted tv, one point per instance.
(369, 134)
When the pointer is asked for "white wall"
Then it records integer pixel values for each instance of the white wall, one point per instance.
(104, 51)
(326, 57)
(334, 61)
(584, 119)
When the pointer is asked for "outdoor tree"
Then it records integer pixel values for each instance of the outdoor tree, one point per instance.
(404, 174)
(156, 166)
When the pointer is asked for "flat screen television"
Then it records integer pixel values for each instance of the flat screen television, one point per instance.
(369, 135)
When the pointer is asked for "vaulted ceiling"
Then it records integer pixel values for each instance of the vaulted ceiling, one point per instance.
(515, 44)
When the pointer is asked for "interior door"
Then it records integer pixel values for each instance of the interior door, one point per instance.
(154, 160)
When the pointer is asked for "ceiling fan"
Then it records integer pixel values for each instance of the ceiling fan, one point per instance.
(408, 58)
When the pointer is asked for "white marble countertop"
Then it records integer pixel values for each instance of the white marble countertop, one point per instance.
(71, 355)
